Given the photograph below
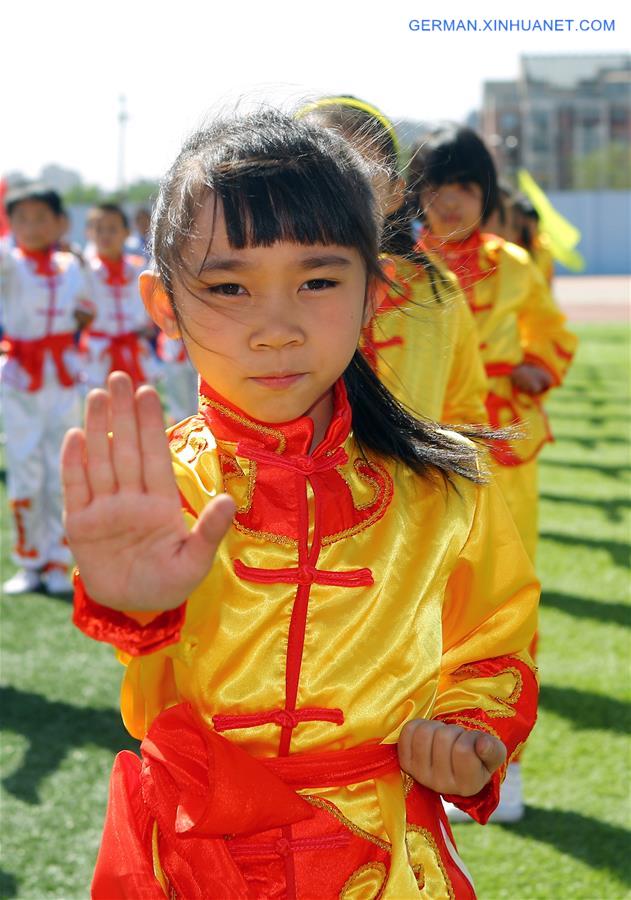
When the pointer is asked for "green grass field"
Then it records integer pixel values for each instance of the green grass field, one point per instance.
(60, 690)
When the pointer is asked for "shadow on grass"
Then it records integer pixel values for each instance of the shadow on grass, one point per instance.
(589, 443)
(584, 392)
(52, 729)
(8, 886)
(585, 709)
(594, 843)
(584, 608)
(612, 507)
(618, 551)
(611, 470)
(560, 414)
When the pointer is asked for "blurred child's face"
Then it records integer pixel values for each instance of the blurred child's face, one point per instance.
(109, 234)
(452, 211)
(271, 328)
(34, 225)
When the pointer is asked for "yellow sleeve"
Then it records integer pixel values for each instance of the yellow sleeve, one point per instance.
(488, 681)
(489, 611)
(467, 386)
(545, 340)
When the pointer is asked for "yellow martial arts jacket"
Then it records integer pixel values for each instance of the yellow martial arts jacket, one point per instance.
(542, 257)
(517, 322)
(349, 596)
(422, 343)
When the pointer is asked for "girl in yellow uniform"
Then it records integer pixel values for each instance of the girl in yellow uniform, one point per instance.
(525, 345)
(314, 656)
(422, 341)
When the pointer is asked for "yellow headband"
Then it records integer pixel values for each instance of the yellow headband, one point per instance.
(354, 104)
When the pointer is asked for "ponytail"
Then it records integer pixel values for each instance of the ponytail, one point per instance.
(385, 426)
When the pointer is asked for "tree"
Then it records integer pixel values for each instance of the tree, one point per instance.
(606, 168)
(141, 191)
(84, 195)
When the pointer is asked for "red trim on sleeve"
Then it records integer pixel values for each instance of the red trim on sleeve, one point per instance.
(512, 728)
(115, 627)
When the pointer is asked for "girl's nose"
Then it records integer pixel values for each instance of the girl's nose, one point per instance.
(277, 332)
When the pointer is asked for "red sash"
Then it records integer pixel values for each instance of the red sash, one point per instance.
(125, 353)
(30, 356)
(199, 788)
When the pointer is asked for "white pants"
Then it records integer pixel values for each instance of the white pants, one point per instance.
(35, 424)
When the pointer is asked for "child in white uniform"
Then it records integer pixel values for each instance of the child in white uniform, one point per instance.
(118, 336)
(45, 297)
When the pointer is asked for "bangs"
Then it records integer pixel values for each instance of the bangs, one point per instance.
(455, 156)
(456, 161)
(277, 180)
(294, 201)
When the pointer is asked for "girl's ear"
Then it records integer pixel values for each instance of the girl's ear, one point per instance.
(397, 196)
(378, 289)
(157, 303)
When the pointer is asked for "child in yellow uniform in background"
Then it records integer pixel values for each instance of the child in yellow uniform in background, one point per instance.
(517, 221)
(313, 660)
(535, 241)
(525, 345)
(422, 341)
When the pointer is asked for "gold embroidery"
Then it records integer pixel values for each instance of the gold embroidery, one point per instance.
(198, 444)
(376, 514)
(472, 724)
(254, 426)
(408, 783)
(510, 700)
(266, 535)
(249, 494)
(321, 803)
(429, 838)
(369, 869)
(371, 481)
(226, 459)
(504, 703)
(419, 874)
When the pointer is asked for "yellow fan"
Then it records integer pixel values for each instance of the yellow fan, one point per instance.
(562, 235)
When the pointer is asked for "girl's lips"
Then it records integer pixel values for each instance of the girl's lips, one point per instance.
(279, 382)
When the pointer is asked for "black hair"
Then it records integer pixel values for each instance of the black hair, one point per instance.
(453, 154)
(369, 133)
(505, 199)
(115, 209)
(33, 191)
(526, 207)
(525, 214)
(282, 179)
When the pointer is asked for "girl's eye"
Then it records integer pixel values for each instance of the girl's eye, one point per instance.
(227, 290)
(319, 284)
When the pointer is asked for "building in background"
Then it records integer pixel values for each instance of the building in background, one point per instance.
(567, 119)
(59, 178)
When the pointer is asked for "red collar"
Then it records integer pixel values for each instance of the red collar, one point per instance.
(462, 257)
(43, 260)
(228, 423)
(115, 269)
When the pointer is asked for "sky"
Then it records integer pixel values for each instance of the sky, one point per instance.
(64, 65)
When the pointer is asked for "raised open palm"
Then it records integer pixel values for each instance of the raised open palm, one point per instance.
(123, 514)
